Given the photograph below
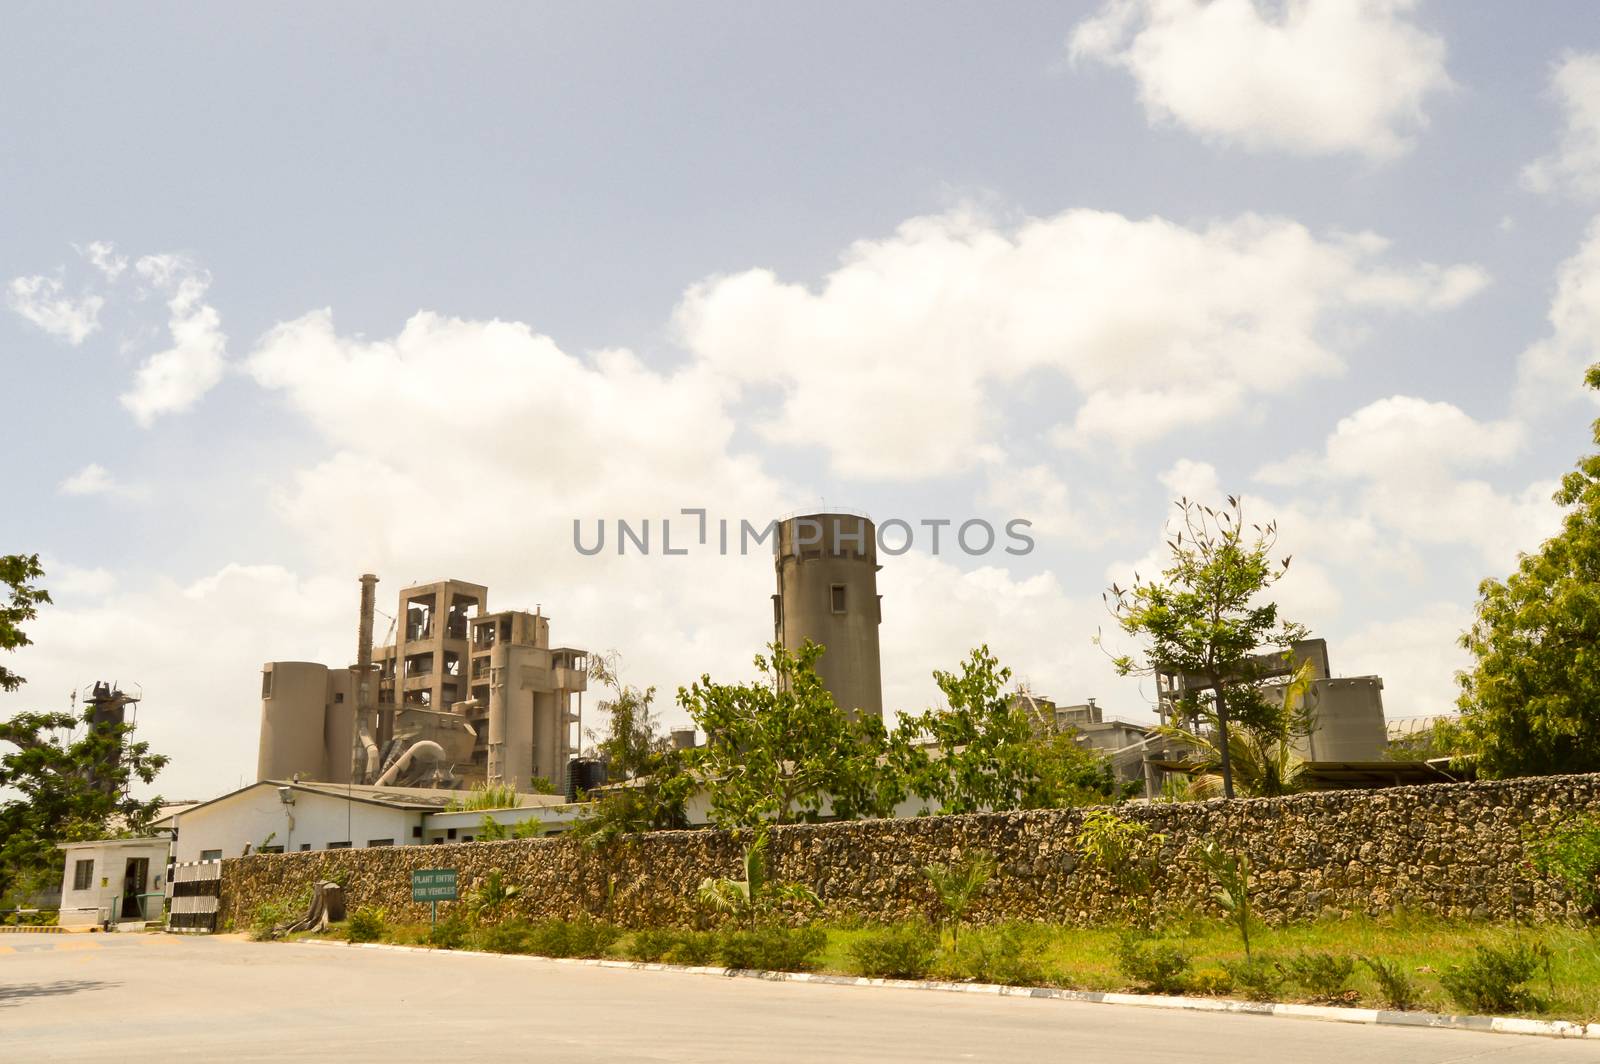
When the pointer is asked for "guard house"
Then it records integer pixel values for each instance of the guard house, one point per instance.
(109, 882)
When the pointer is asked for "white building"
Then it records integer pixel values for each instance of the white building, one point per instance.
(285, 816)
(113, 881)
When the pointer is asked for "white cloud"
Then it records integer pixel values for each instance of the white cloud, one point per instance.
(1551, 370)
(1417, 655)
(40, 300)
(886, 366)
(1574, 167)
(102, 255)
(176, 378)
(95, 479)
(1313, 77)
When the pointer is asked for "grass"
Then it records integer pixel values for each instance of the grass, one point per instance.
(1086, 958)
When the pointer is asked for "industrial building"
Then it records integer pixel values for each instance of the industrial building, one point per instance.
(827, 573)
(459, 697)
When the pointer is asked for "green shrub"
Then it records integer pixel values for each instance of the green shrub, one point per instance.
(1396, 989)
(772, 948)
(996, 955)
(651, 944)
(582, 937)
(269, 916)
(366, 924)
(903, 951)
(1210, 981)
(508, 937)
(1494, 981)
(694, 948)
(450, 933)
(1257, 978)
(1325, 977)
(1152, 965)
(1570, 852)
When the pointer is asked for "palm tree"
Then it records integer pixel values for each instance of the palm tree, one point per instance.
(958, 886)
(754, 895)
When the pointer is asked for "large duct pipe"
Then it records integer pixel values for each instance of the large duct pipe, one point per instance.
(369, 586)
(426, 746)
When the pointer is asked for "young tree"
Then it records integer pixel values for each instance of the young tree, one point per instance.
(984, 751)
(1205, 617)
(1261, 743)
(780, 750)
(1531, 703)
(632, 742)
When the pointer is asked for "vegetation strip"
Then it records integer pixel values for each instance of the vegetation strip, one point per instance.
(1371, 1017)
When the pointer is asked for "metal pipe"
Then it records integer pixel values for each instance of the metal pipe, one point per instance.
(426, 746)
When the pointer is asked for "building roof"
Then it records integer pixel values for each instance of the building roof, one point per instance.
(410, 799)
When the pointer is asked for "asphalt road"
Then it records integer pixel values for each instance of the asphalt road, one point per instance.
(136, 998)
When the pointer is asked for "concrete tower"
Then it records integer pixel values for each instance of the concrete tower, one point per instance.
(827, 567)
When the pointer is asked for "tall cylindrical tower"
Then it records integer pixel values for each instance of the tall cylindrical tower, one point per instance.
(294, 700)
(827, 568)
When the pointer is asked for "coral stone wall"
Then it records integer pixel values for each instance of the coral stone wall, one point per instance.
(1446, 849)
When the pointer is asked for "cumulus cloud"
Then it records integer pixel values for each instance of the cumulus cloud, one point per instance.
(174, 379)
(1312, 77)
(43, 302)
(1416, 654)
(1551, 369)
(102, 255)
(95, 479)
(885, 366)
(1574, 167)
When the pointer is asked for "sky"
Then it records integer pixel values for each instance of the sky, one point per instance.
(295, 293)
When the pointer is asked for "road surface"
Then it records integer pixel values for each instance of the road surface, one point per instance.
(160, 998)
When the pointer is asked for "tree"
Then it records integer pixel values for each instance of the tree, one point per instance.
(632, 742)
(1531, 703)
(1261, 744)
(956, 887)
(780, 750)
(17, 572)
(757, 895)
(70, 789)
(983, 751)
(1205, 617)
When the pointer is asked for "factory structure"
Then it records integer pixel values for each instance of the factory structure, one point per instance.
(460, 697)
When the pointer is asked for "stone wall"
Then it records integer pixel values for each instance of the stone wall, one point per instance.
(1447, 849)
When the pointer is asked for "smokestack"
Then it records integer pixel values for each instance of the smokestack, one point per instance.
(364, 722)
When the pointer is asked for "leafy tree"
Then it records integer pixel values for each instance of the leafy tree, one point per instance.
(1531, 703)
(780, 750)
(632, 742)
(653, 802)
(984, 752)
(17, 573)
(1261, 746)
(69, 790)
(1205, 617)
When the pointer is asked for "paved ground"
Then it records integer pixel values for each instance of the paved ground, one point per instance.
(137, 998)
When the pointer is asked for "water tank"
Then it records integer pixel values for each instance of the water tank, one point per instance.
(294, 698)
(583, 774)
(1349, 720)
(827, 570)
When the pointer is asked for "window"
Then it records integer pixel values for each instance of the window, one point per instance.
(338, 845)
(466, 838)
(338, 696)
(266, 683)
(416, 831)
(270, 849)
(380, 842)
(210, 855)
(449, 833)
(305, 846)
(836, 592)
(82, 875)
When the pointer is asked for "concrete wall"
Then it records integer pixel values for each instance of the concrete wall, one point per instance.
(1449, 849)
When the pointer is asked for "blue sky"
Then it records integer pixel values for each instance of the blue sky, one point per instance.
(1059, 262)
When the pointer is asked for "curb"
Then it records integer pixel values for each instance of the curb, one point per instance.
(1334, 1014)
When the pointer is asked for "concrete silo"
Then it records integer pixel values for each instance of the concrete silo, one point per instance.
(827, 569)
(294, 709)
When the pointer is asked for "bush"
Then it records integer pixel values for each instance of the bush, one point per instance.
(1570, 852)
(904, 951)
(651, 944)
(366, 924)
(1159, 967)
(1325, 976)
(1494, 980)
(694, 948)
(1257, 978)
(572, 938)
(269, 916)
(997, 955)
(508, 937)
(773, 948)
(1210, 981)
(1396, 989)
(450, 933)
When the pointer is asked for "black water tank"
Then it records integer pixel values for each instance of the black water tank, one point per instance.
(584, 774)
